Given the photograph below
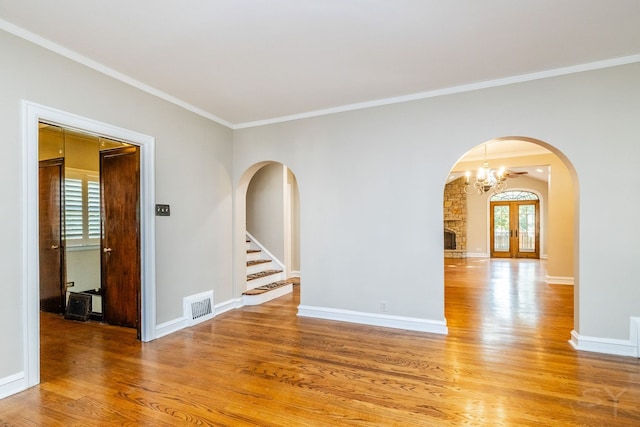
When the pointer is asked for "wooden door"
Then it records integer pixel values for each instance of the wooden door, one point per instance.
(515, 229)
(120, 243)
(51, 251)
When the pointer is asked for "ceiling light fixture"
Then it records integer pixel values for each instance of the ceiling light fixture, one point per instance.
(487, 179)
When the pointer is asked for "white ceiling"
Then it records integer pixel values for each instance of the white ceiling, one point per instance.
(245, 61)
(503, 149)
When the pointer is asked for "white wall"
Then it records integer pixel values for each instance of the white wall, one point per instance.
(193, 174)
(83, 268)
(371, 185)
(372, 181)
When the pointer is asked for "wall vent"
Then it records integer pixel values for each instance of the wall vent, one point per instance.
(198, 308)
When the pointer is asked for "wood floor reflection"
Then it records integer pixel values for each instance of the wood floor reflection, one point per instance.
(506, 361)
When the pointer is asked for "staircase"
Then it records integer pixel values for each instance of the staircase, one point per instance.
(265, 279)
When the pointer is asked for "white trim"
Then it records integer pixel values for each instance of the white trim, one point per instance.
(286, 222)
(634, 334)
(615, 347)
(32, 113)
(229, 305)
(92, 247)
(266, 251)
(12, 384)
(295, 273)
(101, 68)
(614, 62)
(175, 325)
(74, 56)
(171, 326)
(559, 280)
(384, 320)
(477, 255)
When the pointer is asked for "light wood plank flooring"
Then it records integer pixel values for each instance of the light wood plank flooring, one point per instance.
(506, 361)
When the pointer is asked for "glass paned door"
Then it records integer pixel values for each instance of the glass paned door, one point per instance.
(501, 228)
(527, 241)
(515, 229)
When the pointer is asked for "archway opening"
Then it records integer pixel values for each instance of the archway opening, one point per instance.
(268, 206)
(513, 282)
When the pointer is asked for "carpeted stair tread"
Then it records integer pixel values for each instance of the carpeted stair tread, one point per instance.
(253, 251)
(257, 261)
(262, 274)
(266, 288)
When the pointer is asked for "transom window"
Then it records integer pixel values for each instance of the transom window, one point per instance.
(514, 195)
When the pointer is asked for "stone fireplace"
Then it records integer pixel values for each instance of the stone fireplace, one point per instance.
(455, 219)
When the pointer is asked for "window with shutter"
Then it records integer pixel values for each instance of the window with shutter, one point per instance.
(73, 209)
(93, 207)
(81, 208)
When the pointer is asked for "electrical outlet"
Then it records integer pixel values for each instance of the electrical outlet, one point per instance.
(163, 210)
(383, 306)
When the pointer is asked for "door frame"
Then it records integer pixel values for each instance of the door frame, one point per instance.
(32, 114)
(514, 243)
(543, 219)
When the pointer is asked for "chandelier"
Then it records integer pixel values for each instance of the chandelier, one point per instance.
(486, 180)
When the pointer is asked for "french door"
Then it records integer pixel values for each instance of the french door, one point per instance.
(515, 229)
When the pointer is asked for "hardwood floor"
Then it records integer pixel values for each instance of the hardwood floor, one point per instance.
(506, 361)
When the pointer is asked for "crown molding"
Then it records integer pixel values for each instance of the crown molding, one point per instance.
(101, 68)
(608, 63)
(74, 56)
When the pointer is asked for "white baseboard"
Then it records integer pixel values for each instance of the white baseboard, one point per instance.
(608, 345)
(231, 304)
(171, 326)
(12, 384)
(295, 273)
(373, 319)
(559, 280)
(477, 255)
(487, 255)
(175, 325)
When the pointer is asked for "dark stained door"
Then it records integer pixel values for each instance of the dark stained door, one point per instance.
(51, 251)
(120, 244)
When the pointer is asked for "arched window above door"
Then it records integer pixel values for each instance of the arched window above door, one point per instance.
(514, 195)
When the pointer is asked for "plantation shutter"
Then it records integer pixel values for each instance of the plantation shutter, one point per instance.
(93, 208)
(73, 208)
(82, 208)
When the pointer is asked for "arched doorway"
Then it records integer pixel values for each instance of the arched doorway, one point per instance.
(269, 260)
(532, 166)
